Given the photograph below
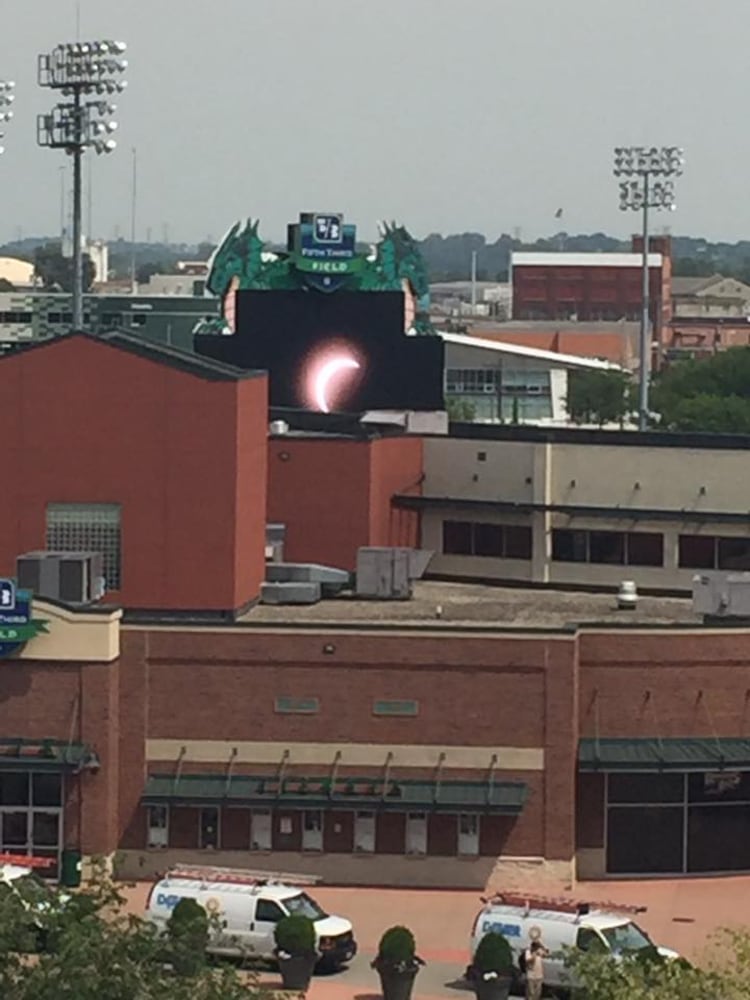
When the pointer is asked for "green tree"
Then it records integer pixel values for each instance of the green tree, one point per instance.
(56, 271)
(599, 397)
(708, 394)
(94, 949)
(460, 410)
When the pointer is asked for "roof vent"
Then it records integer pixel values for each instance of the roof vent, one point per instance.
(278, 428)
(627, 596)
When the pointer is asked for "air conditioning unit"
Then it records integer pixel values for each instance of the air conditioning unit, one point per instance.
(722, 595)
(69, 577)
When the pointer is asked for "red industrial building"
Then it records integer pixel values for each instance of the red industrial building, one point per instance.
(421, 742)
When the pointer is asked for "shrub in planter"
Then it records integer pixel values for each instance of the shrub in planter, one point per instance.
(397, 963)
(295, 951)
(492, 968)
(187, 932)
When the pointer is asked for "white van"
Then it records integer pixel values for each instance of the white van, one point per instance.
(563, 924)
(249, 905)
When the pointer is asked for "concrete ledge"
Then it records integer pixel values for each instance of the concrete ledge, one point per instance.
(381, 870)
(534, 874)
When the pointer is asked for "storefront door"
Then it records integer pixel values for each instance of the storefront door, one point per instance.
(31, 814)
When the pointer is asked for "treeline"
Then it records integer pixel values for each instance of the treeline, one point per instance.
(448, 257)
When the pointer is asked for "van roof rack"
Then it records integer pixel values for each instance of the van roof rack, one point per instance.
(558, 904)
(26, 861)
(240, 876)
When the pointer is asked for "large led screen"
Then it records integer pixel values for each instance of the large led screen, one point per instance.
(342, 351)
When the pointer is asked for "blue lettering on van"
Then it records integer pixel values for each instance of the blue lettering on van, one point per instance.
(495, 927)
(170, 901)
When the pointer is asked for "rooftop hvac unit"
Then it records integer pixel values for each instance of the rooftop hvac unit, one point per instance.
(387, 574)
(70, 577)
(722, 595)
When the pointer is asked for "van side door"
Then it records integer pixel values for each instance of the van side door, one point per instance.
(263, 923)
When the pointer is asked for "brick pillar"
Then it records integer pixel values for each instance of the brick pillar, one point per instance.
(133, 732)
(560, 748)
(99, 728)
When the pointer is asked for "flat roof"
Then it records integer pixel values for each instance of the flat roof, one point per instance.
(554, 358)
(583, 259)
(482, 606)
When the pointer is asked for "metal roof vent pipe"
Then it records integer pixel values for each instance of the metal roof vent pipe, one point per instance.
(277, 428)
(627, 596)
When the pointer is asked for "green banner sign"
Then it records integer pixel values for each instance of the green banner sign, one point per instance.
(318, 265)
(22, 633)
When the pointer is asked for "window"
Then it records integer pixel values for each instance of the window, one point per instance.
(472, 380)
(54, 317)
(364, 832)
(268, 912)
(138, 320)
(158, 826)
(260, 830)
(697, 552)
(14, 788)
(209, 828)
(734, 553)
(88, 528)
(46, 789)
(312, 830)
(45, 829)
(589, 940)
(607, 547)
(395, 708)
(468, 834)
(475, 538)
(457, 538)
(416, 833)
(296, 706)
(617, 548)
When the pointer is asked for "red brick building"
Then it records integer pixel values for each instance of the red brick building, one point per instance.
(428, 741)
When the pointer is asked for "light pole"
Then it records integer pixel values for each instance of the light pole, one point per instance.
(6, 99)
(81, 70)
(646, 182)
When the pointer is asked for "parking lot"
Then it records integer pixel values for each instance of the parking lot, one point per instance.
(680, 914)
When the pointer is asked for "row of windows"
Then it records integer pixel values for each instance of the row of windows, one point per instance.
(361, 832)
(495, 380)
(311, 706)
(474, 538)
(619, 548)
(16, 317)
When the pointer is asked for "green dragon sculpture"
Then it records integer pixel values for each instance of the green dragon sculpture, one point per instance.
(243, 261)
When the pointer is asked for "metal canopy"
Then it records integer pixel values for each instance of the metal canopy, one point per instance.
(654, 754)
(327, 792)
(45, 755)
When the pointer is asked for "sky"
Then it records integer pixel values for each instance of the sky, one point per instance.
(446, 115)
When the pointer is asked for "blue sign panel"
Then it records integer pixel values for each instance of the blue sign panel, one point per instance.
(328, 228)
(7, 595)
(16, 624)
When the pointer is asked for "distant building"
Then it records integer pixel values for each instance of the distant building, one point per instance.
(20, 273)
(616, 342)
(454, 298)
(709, 314)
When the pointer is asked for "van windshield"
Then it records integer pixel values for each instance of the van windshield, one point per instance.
(626, 937)
(306, 906)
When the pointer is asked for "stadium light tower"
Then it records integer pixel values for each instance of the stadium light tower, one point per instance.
(6, 99)
(88, 74)
(646, 181)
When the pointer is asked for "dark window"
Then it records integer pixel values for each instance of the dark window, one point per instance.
(47, 789)
(607, 547)
(54, 317)
(645, 548)
(14, 788)
(209, 828)
(719, 786)
(568, 545)
(588, 940)
(395, 708)
(644, 840)
(457, 538)
(481, 456)
(734, 553)
(697, 551)
(717, 838)
(15, 828)
(296, 706)
(268, 911)
(657, 788)
(518, 542)
(488, 540)
(138, 320)
(45, 830)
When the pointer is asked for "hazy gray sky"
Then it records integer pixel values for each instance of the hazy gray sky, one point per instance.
(449, 115)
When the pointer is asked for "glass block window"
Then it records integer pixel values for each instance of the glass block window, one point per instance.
(395, 708)
(296, 706)
(74, 527)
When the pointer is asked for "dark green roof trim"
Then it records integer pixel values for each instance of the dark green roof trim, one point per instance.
(45, 755)
(501, 797)
(653, 754)
(611, 513)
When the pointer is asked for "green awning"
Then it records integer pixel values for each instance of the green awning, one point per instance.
(501, 797)
(45, 755)
(687, 754)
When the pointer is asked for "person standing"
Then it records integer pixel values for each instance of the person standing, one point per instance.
(534, 961)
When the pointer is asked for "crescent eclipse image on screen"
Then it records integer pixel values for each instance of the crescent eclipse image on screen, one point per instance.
(340, 352)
